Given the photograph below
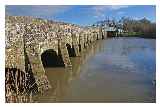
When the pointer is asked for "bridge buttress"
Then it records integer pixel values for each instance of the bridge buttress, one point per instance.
(37, 69)
(75, 44)
(86, 40)
(105, 35)
(64, 53)
(81, 42)
(94, 36)
(100, 33)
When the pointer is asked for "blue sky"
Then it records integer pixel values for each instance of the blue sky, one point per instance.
(83, 14)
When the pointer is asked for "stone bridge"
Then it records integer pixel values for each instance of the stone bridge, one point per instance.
(28, 39)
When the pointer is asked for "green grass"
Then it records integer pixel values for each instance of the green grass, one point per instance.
(138, 34)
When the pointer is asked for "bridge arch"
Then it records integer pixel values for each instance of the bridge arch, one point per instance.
(80, 47)
(71, 50)
(50, 58)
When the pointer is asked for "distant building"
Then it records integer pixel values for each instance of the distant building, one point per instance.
(110, 27)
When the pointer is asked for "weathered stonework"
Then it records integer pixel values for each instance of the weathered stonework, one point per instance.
(27, 38)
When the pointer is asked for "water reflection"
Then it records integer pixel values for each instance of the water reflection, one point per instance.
(112, 70)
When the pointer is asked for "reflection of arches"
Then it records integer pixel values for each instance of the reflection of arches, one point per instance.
(71, 50)
(51, 59)
(59, 79)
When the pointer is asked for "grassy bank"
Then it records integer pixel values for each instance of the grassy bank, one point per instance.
(138, 34)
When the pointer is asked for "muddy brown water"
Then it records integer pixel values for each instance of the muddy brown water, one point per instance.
(112, 70)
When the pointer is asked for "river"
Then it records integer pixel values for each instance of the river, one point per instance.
(112, 70)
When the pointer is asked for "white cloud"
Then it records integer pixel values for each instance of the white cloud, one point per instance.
(99, 14)
(138, 18)
(101, 9)
(120, 12)
(109, 7)
(117, 7)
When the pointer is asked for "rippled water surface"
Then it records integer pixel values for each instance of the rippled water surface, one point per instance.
(112, 70)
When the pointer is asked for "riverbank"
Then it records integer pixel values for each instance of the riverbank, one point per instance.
(137, 34)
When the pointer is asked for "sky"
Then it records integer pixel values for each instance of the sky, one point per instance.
(83, 14)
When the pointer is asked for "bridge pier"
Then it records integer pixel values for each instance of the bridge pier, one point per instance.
(75, 44)
(87, 40)
(64, 53)
(80, 44)
(105, 33)
(100, 33)
(95, 36)
(34, 58)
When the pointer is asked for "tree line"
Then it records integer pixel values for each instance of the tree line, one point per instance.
(132, 27)
(142, 27)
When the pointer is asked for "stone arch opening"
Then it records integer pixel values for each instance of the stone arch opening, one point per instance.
(85, 45)
(79, 45)
(50, 58)
(97, 36)
(71, 50)
(110, 34)
(102, 35)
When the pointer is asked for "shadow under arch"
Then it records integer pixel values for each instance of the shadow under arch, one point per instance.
(110, 34)
(71, 50)
(79, 45)
(97, 37)
(50, 58)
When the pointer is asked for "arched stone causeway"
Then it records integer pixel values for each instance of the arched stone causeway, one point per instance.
(32, 44)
